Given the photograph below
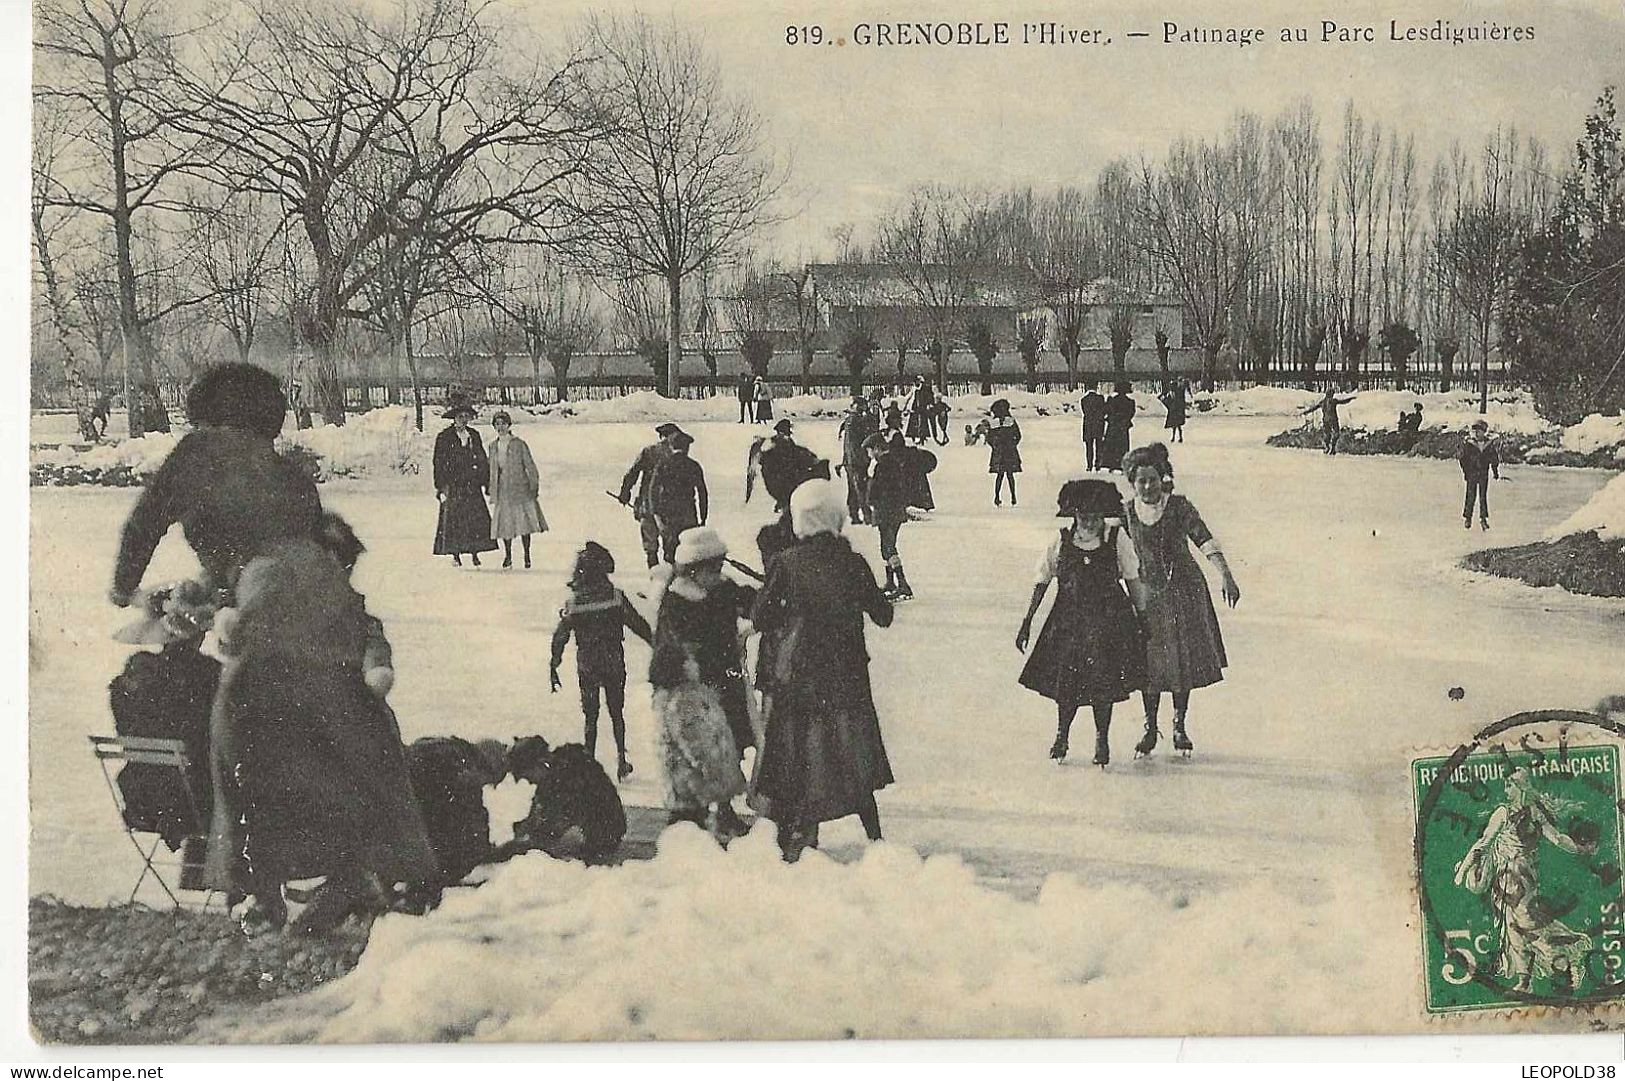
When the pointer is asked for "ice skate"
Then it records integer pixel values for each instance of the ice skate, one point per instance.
(623, 769)
(1103, 750)
(1466, 523)
(1058, 749)
(1484, 524)
(507, 562)
(1182, 741)
(1148, 742)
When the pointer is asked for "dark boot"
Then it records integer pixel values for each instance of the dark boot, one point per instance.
(1182, 741)
(1148, 742)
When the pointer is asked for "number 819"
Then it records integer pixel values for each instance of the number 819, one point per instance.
(804, 35)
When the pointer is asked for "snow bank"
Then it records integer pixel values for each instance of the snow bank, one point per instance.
(1254, 402)
(1509, 414)
(1604, 513)
(143, 455)
(1595, 433)
(700, 943)
(378, 441)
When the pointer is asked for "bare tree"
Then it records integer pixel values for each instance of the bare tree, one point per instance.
(1120, 332)
(48, 225)
(683, 176)
(796, 296)
(1204, 224)
(554, 312)
(110, 63)
(364, 127)
(238, 247)
(641, 323)
(937, 240)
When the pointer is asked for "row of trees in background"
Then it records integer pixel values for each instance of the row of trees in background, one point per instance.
(343, 171)
(1288, 256)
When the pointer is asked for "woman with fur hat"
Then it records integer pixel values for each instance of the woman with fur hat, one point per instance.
(1184, 649)
(515, 484)
(597, 613)
(1089, 651)
(698, 679)
(822, 756)
(462, 473)
(1003, 435)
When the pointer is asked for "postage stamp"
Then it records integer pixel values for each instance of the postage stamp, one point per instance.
(1518, 866)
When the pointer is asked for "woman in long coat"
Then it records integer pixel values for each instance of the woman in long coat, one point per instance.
(764, 401)
(285, 703)
(822, 756)
(515, 484)
(1119, 419)
(1184, 649)
(462, 473)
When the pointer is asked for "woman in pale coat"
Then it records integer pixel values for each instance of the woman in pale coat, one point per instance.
(515, 483)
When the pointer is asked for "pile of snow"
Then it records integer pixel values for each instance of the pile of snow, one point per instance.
(378, 441)
(1456, 410)
(1595, 433)
(699, 943)
(1604, 514)
(143, 455)
(1254, 402)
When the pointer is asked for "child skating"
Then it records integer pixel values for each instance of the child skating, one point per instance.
(1479, 461)
(1090, 651)
(1003, 435)
(597, 614)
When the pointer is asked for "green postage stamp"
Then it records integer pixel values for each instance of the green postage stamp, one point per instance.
(1518, 867)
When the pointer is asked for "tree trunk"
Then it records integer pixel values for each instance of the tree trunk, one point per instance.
(412, 373)
(987, 378)
(73, 370)
(1210, 364)
(1120, 359)
(855, 370)
(561, 374)
(1484, 364)
(674, 335)
(806, 367)
(536, 375)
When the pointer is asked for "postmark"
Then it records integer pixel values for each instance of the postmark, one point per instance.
(1518, 871)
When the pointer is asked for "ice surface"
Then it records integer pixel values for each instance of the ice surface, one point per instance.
(1295, 811)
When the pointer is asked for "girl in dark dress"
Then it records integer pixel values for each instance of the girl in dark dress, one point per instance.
(1004, 460)
(1090, 651)
(462, 473)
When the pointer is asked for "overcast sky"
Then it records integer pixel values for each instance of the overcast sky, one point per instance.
(866, 123)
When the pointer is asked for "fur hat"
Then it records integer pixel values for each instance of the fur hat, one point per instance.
(335, 534)
(458, 405)
(1089, 497)
(698, 545)
(237, 395)
(817, 507)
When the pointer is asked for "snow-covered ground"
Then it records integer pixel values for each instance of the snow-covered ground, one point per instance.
(1603, 514)
(1278, 858)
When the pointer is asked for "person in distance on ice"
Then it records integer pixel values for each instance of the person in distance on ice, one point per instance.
(1174, 399)
(1331, 428)
(822, 755)
(921, 411)
(1478, 459)
(857, 426)
(1089, 652)
(677, 494)
(745, 387)
(596, 613)
(893, 488)
(1003, 435)
(1184, 649)
(1120, 409)
(763, 393)
(698, 679)
(1410, 428)
(1093, 411)
(642, 474)
(462, 473)
(515, 484)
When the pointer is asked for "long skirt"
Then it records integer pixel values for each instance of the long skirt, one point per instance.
(1184, 648)
(697, 748)
(464, 525)
(309, 772)
(822, 759)
(520, 517)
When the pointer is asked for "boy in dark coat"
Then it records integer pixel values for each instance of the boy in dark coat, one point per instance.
(1478, 460)
(1093, 410)
(677, 495)
(596, 613)
(745, 387)
(891, 485)
(856, 427)
(642, 475)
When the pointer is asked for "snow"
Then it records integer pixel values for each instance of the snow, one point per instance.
(1604, 514)
(1509, 414)
(1594, 433)
(747, 947)
(1287, 836)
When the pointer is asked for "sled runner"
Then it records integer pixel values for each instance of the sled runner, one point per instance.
(170, 757)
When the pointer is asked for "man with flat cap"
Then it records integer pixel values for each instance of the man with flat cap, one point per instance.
(641, 474)
(677, 495)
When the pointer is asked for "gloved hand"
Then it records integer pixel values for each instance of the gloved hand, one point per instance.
(553, 679)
